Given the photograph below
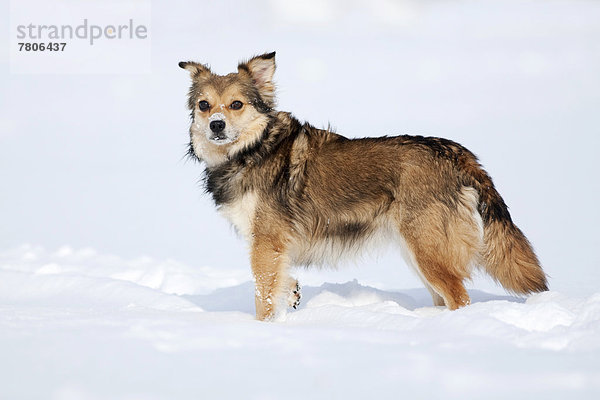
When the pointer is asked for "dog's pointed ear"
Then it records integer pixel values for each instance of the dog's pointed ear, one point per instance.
(261, 69)
(195, 69)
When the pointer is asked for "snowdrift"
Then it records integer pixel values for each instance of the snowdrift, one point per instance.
(75, 324)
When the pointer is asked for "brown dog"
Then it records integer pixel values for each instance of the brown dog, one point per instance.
(302, 196)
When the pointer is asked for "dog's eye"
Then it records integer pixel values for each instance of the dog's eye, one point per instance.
(236, 105)
(203, 105)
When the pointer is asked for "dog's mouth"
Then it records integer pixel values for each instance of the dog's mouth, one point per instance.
(220, 138)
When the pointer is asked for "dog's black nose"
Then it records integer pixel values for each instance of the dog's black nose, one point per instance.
(217, 126)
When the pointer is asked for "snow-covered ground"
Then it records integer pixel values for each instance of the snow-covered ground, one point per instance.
(75, 324)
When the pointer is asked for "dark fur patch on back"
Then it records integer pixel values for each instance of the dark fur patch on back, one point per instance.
(491, 205)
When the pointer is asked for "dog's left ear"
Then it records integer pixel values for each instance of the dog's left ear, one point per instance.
(195, 69)
(261, 69)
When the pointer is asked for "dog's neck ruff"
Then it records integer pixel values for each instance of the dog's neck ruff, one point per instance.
(221, 180)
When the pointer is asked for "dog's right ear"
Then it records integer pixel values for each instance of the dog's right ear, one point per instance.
(261, 69)
(196, 70)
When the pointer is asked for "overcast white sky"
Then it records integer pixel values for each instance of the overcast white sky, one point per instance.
(96, 160)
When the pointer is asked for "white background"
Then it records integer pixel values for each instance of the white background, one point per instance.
(96, 160)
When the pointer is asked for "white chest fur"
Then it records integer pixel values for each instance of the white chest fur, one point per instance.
(241, 212)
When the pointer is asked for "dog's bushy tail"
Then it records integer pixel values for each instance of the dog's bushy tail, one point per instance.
(507, 254)
(509, 258)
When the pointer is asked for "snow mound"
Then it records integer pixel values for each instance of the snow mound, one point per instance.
(72, 321)
(166, 276)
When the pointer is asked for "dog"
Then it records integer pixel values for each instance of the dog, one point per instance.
(306, 196)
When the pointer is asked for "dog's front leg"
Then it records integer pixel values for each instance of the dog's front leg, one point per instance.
(270, 264)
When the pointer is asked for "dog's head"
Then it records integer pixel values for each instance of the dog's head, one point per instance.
(230, 112)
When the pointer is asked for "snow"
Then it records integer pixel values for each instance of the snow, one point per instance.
(78, 324)
(217, 116)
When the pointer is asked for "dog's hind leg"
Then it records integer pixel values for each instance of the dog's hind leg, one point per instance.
(409, 258)
(442, 280)
(444, 242)
(435, 297)
(441, 268)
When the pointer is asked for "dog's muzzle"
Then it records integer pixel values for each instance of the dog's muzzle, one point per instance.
(217, 132)
(217, 128)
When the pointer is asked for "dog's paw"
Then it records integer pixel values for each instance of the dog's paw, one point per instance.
(295, 296)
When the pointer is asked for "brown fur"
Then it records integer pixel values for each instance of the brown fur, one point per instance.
(304, 196)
